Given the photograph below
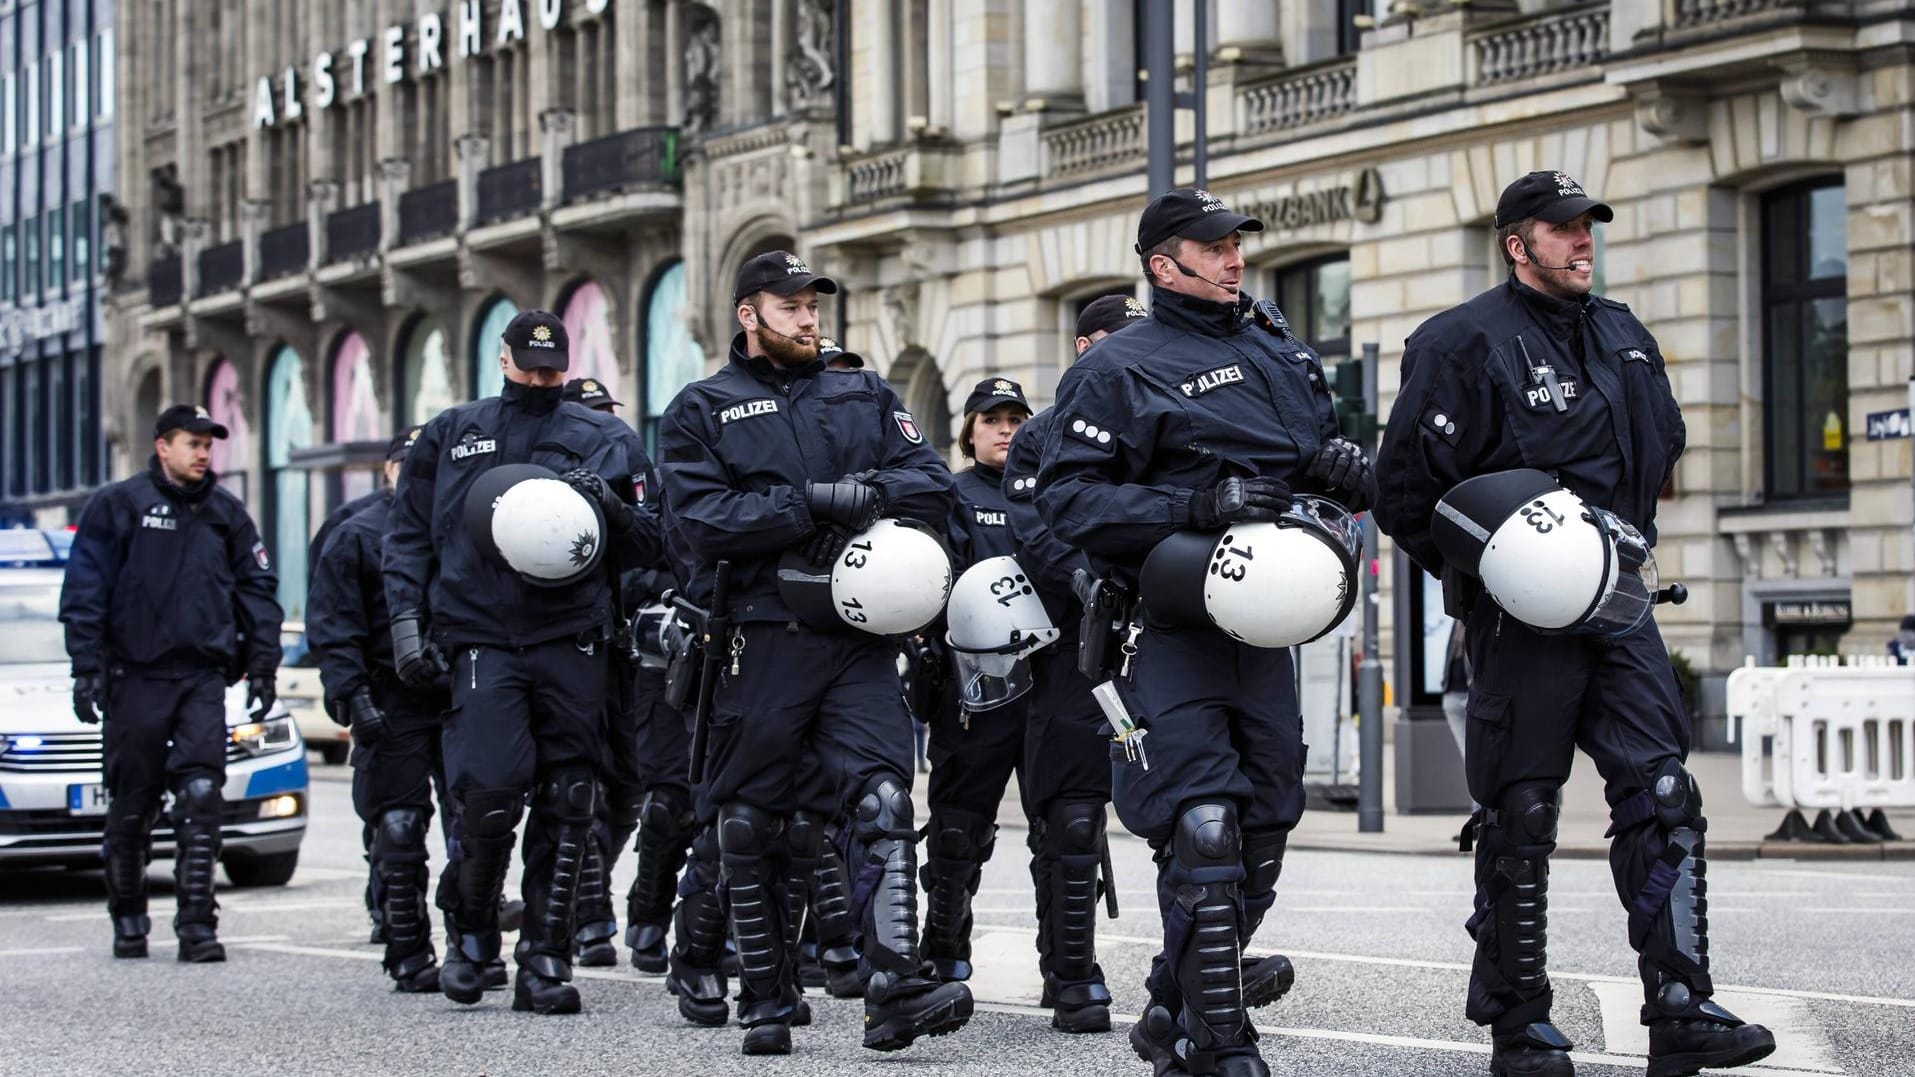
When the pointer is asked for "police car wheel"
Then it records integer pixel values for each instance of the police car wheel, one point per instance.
(273, 869)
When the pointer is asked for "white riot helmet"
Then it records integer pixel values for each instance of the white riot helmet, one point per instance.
(654, 628)
(891, 580)
(534, 522)
(996, 622)
(1549, 560)
(1268, 584)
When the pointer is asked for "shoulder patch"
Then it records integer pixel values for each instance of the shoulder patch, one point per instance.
(1633, 355)
(259, 557)
(908, 427)
(1440, 422)
(1091, 434)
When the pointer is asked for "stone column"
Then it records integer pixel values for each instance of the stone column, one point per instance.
(322, 197)
(1053, 55)
(880, 87)
(194, 232)
(558, 128)
(1246, 33)
(395, 179)
(937, 37)
(472, 150)
(254, 214)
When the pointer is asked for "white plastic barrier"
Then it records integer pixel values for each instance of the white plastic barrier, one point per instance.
(1820, 734)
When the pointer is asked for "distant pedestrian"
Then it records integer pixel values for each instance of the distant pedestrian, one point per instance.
(1902, 647)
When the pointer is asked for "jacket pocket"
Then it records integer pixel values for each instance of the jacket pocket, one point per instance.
(1485, 737)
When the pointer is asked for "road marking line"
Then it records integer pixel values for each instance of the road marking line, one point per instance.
(32, 950)
(295, 906)
(1856, 911)
(1801, 1042)
(1804, 873)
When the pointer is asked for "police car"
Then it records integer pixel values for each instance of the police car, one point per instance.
(52, 798)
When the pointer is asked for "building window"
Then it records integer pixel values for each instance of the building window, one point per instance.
(30, 258)
(86, 391)
(425, 381)
(672, 358)
(82, 84)
(588, 328)
(289, 426)
(103, 74)
(56, 93)
(60, 419)
(1349, 34)
(9, 271)
(356, 414)
(1315, 297)
(487, 378)
(30, 117)
(9, 122)
(82, 224)
(231, 454)
(56, 250)
(1805, 345)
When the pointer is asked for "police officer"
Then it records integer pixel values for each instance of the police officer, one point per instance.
(1070, 787)
(622, 777)
(775, 453)
(1208, 414)
(1539, 373)
(169, 596)
(529, 658)
(395, 729)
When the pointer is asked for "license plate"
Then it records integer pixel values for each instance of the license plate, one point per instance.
(87, 799)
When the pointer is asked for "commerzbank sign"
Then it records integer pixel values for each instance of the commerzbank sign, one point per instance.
(394, 55)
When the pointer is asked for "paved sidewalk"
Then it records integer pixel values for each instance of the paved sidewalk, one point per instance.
(1736, 830)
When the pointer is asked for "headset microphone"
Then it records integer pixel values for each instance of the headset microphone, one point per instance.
(1539, 263)
(767, 328)
(1189, 272)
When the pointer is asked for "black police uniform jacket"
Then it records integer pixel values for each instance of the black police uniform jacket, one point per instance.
(432, 564)
(1049, 561)
(738, 447)
(1147, 418)
(331, 523)
(981, 523)
(165, 579)
(347, 621)
(1474, 400)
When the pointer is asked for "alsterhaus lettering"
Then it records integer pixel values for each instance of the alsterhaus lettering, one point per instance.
(434, 35)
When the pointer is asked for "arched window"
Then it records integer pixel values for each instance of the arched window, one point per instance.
(289, 426)
(588, 330)
(356, 415)
(425, 385)
(673, 359)
(487, 378)
(1315, 296)
(232, 455)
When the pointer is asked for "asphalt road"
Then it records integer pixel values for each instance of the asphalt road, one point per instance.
(1820, 952)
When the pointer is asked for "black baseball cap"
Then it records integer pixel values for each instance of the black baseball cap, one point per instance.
(537, 339)
(833, 352)
(1548, 196)
(1109, 313)
(401, 444)
(1190, 212)
(590, 392)
(992, 392)
(187, 417)
(780, 273)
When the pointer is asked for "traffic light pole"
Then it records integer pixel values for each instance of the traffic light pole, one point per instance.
(1369, 791)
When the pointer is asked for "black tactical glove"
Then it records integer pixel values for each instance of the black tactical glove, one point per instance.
(340, 713)
(600, 492)
(824, 545)
(1238, 501)
(417, 659)
(856, 505)
(368, 721)
(89, 697)
(1343, 469)
(261, 691)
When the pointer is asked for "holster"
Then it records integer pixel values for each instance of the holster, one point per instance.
(1106, 620)
(1460, 592)
(681, 673)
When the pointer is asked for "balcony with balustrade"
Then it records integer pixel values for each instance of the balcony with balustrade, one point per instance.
(610, 183)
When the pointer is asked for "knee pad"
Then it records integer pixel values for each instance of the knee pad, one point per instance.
(401, 828)
(960, 836)
(665, 810)
(1074, 828)
(623, 811)
(197, 796)
(1207, 846)
(884, 811)
(1263, 860)
(1678, 798)
(1526, 814)
(569, 794)
(492, 813)
(746, 830)
(805, 836)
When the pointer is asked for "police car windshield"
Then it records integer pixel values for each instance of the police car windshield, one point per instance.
(30, 624)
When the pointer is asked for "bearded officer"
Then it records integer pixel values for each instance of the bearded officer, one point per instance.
(771, 454)
(528, 661)
(1539, 373)
(1209, 413)
(167, 588)
(396, 759)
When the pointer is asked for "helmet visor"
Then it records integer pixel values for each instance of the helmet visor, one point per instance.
(1629, 589)
(1329, 517)
(987, 681)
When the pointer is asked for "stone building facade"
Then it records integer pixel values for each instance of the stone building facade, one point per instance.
(365, 181)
